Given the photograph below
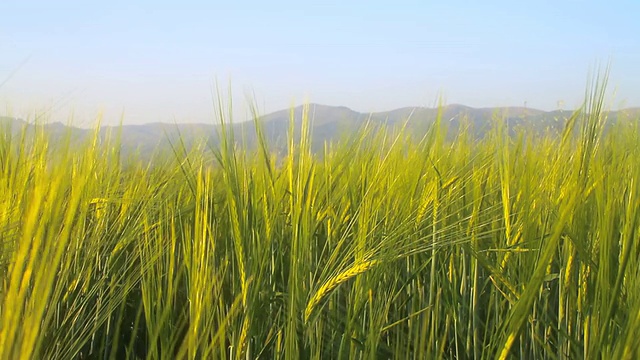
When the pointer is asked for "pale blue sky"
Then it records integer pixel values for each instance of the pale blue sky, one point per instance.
(157, 60)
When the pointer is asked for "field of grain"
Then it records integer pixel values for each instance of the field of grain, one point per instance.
(382, 246)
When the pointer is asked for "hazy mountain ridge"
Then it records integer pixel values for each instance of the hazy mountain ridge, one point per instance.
(328, 123)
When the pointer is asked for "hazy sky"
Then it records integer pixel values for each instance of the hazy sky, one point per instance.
(157, 60)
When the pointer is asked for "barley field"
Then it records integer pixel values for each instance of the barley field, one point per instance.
(382, 246)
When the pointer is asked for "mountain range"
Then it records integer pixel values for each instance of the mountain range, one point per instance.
(329, 123)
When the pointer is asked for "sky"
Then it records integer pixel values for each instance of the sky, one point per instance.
(147, 61)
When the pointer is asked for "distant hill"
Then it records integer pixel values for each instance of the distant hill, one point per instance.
(328, 123)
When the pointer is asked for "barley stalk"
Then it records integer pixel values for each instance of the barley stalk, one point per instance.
(333, 282)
